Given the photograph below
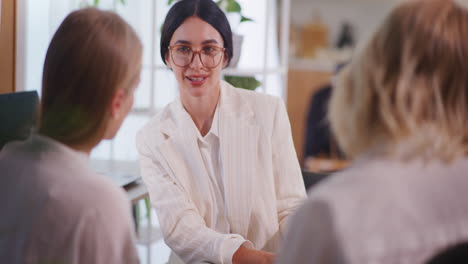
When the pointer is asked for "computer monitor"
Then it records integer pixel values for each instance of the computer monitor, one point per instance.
(18, 115)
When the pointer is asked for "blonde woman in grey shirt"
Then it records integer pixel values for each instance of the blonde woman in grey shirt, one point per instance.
(55, 209)
(401, 110)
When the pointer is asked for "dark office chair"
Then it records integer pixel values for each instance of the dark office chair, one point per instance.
(18, 115)
(457, 254)
(312, 178)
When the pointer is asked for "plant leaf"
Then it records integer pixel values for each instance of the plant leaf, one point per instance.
(96, 3)
(148, 208)
(245, 19)
(249, 83)
(169, 2)
(233, 6)
(123, 2)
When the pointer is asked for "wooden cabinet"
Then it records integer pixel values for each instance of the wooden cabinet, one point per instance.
(301, 85)
(7, 46)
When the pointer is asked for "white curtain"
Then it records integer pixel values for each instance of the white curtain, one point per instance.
(41, 20)
(255, 40)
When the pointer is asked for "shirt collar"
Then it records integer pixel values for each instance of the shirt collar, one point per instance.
(209, 138)
(188, 122)
(214, 125)
(82, 157)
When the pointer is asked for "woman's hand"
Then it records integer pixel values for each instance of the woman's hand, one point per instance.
(251, 256)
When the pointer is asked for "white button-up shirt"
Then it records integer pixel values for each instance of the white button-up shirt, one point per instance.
(209, 150)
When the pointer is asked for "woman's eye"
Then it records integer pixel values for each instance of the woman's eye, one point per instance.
(209, 50)
(184, 49)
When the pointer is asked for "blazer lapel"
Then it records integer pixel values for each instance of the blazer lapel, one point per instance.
(239, 149)
(181, 152)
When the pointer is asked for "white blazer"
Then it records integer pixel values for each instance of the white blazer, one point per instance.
(261, 175)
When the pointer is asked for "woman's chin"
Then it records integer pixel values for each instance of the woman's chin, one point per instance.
(196, 91)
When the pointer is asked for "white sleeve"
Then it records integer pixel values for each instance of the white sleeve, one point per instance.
(311, 237)
(184, 230)
(290, 188)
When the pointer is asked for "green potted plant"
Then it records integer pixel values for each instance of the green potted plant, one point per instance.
(229, 6)
(249, 83)
(234, 9)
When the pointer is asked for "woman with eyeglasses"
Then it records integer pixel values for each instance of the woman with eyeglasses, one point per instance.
(219, 161)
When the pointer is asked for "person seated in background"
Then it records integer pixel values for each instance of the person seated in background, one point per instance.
(400, 109)
(54, 208)
(321, 152)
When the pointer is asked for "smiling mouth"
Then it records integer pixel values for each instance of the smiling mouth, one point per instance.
(197, 79)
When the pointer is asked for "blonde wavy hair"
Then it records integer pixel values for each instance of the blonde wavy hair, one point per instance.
(406, 93)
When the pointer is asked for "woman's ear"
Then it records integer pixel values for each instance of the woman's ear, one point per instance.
(225, 60)
(117, 103)
(168, 61)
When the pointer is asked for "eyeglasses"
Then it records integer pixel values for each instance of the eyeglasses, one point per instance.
(183, 55)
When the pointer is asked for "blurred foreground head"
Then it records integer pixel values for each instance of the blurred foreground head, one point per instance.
(406, 94)
(457, 254)
(91, 69)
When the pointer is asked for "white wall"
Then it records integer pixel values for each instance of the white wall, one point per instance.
(365, 15)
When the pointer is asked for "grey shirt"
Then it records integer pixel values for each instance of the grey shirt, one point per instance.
(55, 210)
(381, 211)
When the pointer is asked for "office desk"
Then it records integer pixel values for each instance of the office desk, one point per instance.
(121, 172)
(136, 191)
(325, 164)
(146, 234)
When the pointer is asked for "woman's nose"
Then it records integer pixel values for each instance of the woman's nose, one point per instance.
(196, 61)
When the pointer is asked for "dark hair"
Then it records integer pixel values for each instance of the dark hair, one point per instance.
(92, 55)
(455, 254)
(206, 10)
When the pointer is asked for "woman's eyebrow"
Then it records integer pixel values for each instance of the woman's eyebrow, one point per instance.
(186, 42)
(182, 42)
(210, 41)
